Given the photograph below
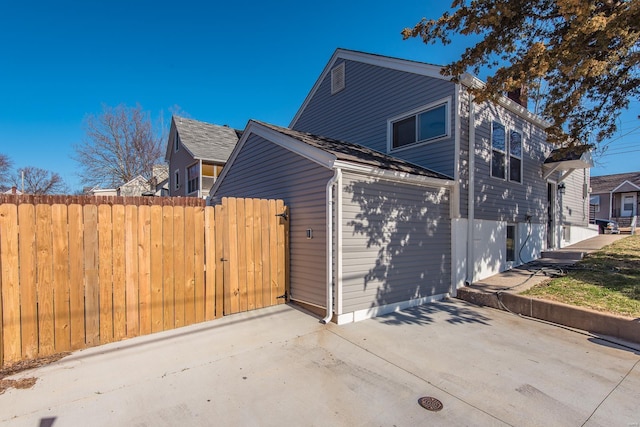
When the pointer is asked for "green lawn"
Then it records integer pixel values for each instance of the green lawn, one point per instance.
(607, 280)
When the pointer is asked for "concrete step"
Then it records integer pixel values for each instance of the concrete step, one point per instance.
(564, 254)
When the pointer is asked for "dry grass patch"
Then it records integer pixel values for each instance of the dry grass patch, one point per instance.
(607, 280)
(24, 365)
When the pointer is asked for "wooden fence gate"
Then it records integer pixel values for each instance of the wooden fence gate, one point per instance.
(77, 272)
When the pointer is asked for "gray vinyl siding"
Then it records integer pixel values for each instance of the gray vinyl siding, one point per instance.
(372, 96)
(605, 206)
(180, 160)
(575, 200)
(396, 242)
(503, 200)
(266, 170)
(463, 156)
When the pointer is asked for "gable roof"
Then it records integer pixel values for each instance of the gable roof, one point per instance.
(608, 183)
(414, 67)
(202, 140)
(137, 180)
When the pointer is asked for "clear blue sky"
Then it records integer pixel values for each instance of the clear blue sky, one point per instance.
(222, 63)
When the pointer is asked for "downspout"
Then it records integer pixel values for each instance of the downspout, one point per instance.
(337, 174)
(200, 179)
(471, 193)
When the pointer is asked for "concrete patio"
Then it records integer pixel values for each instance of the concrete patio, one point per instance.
(279, 367)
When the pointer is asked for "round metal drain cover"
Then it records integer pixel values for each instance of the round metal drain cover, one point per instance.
(430, 403)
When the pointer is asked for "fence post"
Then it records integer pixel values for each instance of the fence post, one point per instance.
(9, 284)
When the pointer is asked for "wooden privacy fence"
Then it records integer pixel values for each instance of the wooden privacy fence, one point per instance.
(83, 271)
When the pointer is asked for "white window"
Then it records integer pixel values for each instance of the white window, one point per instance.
(515, 156)
(427, 124)
(193, 178)
(595, 202)
(177, 143)
(506, 153)
(498, 151)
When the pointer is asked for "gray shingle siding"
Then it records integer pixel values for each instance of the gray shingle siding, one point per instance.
(372, 96)
(396, 242)
(266, 170)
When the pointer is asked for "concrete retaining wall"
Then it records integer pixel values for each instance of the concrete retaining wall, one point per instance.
(555, 312)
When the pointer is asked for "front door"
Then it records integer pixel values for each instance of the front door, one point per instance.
(628, 207)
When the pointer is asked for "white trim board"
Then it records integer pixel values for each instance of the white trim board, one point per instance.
(369, 313)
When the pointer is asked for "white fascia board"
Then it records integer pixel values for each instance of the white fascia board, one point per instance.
(253, 128)
(232, 158)
(626, 181)
(408, 66)
(395, 176)
(398, 64)
(315, 87)
(209, 159)
(473, 82)
(316, 155)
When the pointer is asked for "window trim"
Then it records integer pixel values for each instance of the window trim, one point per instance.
(504, 152)
(595, 205)
(507, 153)
(415, 112)
(188, 180)
(521, 158)
(176, 143)
(176, 179)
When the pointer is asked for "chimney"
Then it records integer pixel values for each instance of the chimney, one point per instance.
(519, 96)
(14, 189)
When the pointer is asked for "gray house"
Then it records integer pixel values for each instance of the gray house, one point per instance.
(479, 191)
(615, 197)
(196, 153)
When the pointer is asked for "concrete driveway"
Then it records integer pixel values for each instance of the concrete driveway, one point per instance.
(280, 367)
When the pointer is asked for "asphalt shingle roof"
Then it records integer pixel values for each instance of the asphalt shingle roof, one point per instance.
(206, 141)
(355, 153)
(606, 183)
(574, 152)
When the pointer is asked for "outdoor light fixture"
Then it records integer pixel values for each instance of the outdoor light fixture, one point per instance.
(561, 188)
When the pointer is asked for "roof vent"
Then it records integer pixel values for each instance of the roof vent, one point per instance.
(337, 79)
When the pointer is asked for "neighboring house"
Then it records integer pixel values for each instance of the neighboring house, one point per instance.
(13, 190)
(615, 197)
(159, 183)
(196, 154)
(97, 191)
(138, 186)
(431, 191)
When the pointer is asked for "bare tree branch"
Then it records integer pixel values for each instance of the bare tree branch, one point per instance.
(5, 170)
(119, 145)
(39, 181)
